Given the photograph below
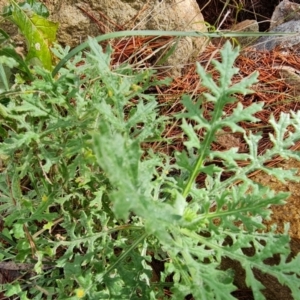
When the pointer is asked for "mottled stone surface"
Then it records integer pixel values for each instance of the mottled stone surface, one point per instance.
(284, 41)
(285, 11)
(246, 26)
(285, 18)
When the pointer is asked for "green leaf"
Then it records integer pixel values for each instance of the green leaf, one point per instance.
(28, 6)
(227, 71)
(193, 141)
(229, 157)
(39, 33)
(194, 111)
(35, 6)
(13, 289)
(34, 107)
(22, 65)
(241, 113)
(15, 142)
(3, 36)
(282, 175)
(18, 231)
(125, 160)
(6, 63)
(226, 67)
(16, 187)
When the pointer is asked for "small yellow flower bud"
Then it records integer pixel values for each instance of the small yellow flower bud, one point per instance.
(80, 293)
(44, 198)
(110, 93)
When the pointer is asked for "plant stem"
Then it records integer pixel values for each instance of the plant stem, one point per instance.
(206, 144)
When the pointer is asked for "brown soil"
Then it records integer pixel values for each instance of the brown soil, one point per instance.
(290, 212)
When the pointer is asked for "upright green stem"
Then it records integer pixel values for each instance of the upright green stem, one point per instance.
(208, 139)
(123, 255)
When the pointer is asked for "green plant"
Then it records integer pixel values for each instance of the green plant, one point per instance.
(90, 205)
(10, 60)
(40, 33)
(31, 18)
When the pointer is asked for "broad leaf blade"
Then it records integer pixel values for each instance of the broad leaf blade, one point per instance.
(39, 33)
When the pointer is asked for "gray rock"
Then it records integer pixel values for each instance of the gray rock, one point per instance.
(285, 11)
(284, 41)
